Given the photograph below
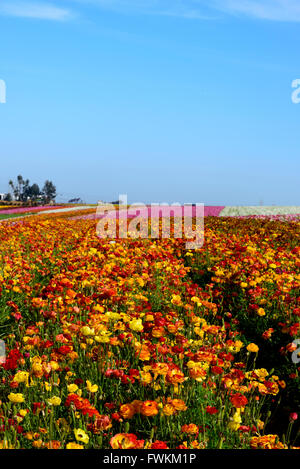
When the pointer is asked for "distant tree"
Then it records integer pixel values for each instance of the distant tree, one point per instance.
(23, 191)
(34, 191)
(8, 197)
(20, 188)
(15, 189)
(49, 191)
(20, 184)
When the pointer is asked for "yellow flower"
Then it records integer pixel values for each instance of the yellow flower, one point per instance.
(103, 338)
(140, 281)
(235, 421)
(80, 435)
(54, 365)
(113, 316)
(4, 444)
(54, 401)
(136, 325)
(195, 299)
(48, 386)
(176, 300)
(86, 330)
(91, 387)
(238, 344)
(149, 317)
(72, 387)
(37, 443)
(74, 445)
(260, 424)
(261, 312)
(252, 348)
(261, 373)
(21, 377)
(16, 398)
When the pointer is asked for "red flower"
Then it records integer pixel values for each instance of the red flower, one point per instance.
(216, 370)
(244, 429)
(110, 405)
(36, 406)
(64, 349)
(211, 410)
(159, 445)
(12, 360)
(239, 400)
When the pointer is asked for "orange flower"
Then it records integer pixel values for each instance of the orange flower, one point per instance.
(143, 353)
(149, 408)
(145, 377)
(158, 331)
(197, 373)
(191, 429)
(175, 376)
(169, 409)
(127, 411)
(267, 442)
(252, 348)
(54, 444)
(137, 405)
(126, 441)
(178, 404)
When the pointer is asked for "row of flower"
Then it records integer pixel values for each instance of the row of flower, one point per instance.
(126, 343)
(21, 210)
(264, 211)
(251, 269)
(268, 213)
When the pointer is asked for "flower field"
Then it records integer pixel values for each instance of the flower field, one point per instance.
(23, 210)
(140, 343)
(263, 211)
(275, 213)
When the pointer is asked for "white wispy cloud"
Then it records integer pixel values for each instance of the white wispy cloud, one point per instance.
(37, 10)
(274, 10)
(179, 8)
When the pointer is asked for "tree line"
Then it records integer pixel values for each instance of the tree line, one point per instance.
(23, 191)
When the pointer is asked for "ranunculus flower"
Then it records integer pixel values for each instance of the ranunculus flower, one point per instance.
(16, 398)
(55, 401)
(239, 400)
(158, 445)
(80, 435)
(211, 410)
(136, 325)
(126, 441)
(252, 348)
(149, 408)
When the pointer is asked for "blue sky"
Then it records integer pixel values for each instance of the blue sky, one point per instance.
(163, 100)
